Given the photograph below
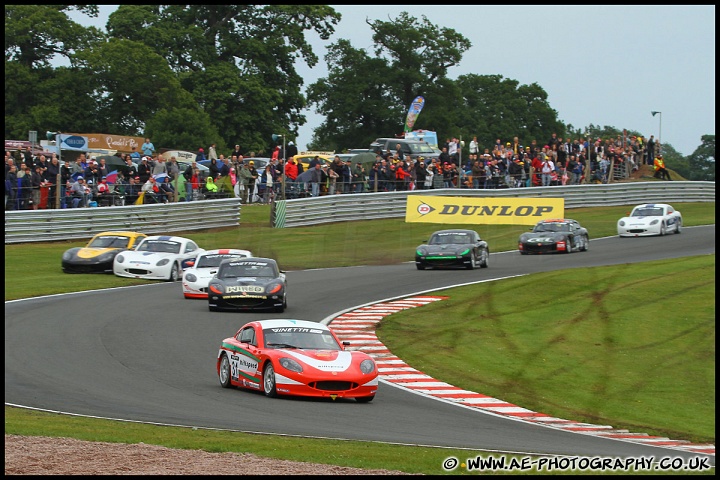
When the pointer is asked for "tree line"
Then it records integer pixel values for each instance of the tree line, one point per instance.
(190, 75)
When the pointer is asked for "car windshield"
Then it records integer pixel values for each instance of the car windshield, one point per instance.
(648, 212)
(211, 261)
(234, 270)
(109, 241)
(159, 246)
(300, 337)
(449, 239)
(421, 148)
(552, 227)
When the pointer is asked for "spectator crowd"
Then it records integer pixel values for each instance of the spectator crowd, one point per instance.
(32, 181)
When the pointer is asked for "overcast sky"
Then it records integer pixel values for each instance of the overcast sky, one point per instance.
(608, 65)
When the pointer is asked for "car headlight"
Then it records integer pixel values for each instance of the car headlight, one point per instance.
(654, 222)
(621, 223)
(190, 277)
(119, 259)
(420, 251)
(162, 262)
(273, 288)
(290, 364)
(464, 252)
(217, 288)
(67, 255)
(367, 366)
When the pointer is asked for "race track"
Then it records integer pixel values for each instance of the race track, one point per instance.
(146, 354)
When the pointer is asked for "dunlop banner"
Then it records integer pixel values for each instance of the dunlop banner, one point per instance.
(479, 211)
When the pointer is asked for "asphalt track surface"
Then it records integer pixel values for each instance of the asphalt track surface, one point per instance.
(146, 354)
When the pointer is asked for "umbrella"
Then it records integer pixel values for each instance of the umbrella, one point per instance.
(304, 177)
(112, 176)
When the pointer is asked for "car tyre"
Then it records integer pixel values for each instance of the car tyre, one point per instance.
(485, 259)
(174, 273)
(678, 228)
(473, 262)
(365, 399)
(213, 309)
(662, 229)
(268, 381)
(568, 246)
(420, 267)
(585, 245)
(224, 373)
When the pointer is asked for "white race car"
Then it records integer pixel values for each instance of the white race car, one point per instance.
(158, 257)
(197, 276)
(650, 219)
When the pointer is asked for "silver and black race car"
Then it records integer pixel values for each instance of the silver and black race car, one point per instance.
(555, 235)
(248, 284)
(453, 248)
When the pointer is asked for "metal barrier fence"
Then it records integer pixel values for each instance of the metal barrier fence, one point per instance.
(79, 223)
(364, 206)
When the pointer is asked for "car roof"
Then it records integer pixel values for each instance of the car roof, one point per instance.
(223, 251)
(557, 220)
(650, 205)
(288, 322)
(252, 259)
(121, 233)
(167, 237)
(455, 230)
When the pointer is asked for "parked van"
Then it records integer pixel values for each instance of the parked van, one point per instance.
(411, 148)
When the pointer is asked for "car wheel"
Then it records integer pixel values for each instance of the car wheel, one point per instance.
(224, 373)
(678, 227)
(269, 381)
(662, 229)
(473, 261)
(174, 273)
(568, 245)
(420, 267)
(213, 309)
(485, 259)
(585, 244)
(365, 399)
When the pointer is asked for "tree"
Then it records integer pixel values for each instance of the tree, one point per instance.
(702, 161)
(35, 34)
(364, 97)
(232, 65)
(494, 107)
(237, 61)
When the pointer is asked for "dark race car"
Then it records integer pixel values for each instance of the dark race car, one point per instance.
(99, 254)
(556, 235)
(453, 248)
(248, 284)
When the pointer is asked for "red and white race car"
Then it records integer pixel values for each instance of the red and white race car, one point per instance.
(295, 357)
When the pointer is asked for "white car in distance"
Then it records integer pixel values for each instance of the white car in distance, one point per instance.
(197, 276)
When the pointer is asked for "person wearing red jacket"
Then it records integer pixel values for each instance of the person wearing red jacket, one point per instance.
(402, 178)
(291, 169)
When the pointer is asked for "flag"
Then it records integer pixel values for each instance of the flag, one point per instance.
(655, 113)
(415, 107)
